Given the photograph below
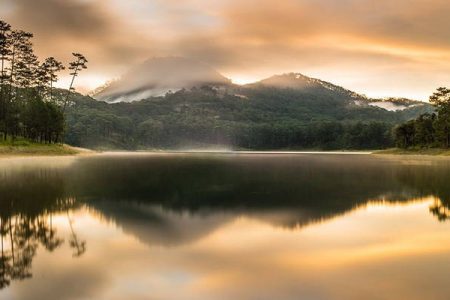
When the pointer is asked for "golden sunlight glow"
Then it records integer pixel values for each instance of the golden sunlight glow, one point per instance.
(242, 80)
(84, 84)
(360, 244)
(353, 43)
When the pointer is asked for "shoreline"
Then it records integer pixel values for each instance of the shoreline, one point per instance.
(414, 152)
(37, 150)
(71, 151)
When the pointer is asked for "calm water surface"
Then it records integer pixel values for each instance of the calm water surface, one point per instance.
(218, 226)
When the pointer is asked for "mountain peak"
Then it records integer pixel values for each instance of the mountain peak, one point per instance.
(287, 80)
(298, 81)
(157, 76)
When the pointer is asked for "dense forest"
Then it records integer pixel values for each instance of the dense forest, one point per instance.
(256, 117)
(28, 106)
(429, 130)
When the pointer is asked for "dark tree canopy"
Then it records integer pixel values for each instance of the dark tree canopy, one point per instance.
(28, 106)
(428, 130)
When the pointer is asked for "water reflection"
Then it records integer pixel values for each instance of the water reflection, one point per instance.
(306, 188)
(21, 232)
(178, 201)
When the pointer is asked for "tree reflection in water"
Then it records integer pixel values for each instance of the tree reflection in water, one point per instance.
(310, 189)
(78, 246)
(21, 234)
(440, 210)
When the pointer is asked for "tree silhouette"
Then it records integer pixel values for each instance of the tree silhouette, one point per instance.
(441, 99)
(78, 246)
(5, 30)
(47, 235)
(76, 66)
(4, 259)
(440, 209)
(20, 48)
(50, 69)
(26, 64)
(428, 130)
(20, 237)
(29, 107)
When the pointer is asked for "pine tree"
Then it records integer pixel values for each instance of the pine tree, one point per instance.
(20, 43)
(76, 67)
(25, 87)
(42, 79)
(424, 130)
(441, 99)
(5, 30)
(50, 69)
(26, 67)
(21, 76)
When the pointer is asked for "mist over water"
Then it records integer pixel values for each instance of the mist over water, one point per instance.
(216, 225)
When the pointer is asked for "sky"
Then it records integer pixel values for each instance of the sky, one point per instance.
(379, 48)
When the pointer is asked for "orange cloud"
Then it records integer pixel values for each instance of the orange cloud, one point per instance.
(382, 48)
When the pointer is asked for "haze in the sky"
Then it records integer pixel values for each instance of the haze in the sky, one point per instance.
(379, 48)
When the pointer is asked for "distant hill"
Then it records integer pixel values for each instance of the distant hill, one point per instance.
(156, 77)
(159, 76)
(265, 115)
(299, 81)
(177, 103)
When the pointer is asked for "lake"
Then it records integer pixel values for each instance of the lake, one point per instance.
(225, 226)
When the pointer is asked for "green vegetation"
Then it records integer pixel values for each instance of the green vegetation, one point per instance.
(415, 151)
(28, 106)
(252, 117)
(429, 130)
(27, 147)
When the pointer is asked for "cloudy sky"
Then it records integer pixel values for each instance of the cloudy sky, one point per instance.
(379, 48)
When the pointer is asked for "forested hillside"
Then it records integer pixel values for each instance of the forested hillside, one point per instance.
(313, 115)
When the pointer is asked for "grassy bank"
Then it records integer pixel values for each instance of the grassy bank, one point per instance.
(23, 147)
(415, 151)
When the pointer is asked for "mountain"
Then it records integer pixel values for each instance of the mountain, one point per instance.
(157, 76)
(299, 81)
(289, 111)
(205, 110)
